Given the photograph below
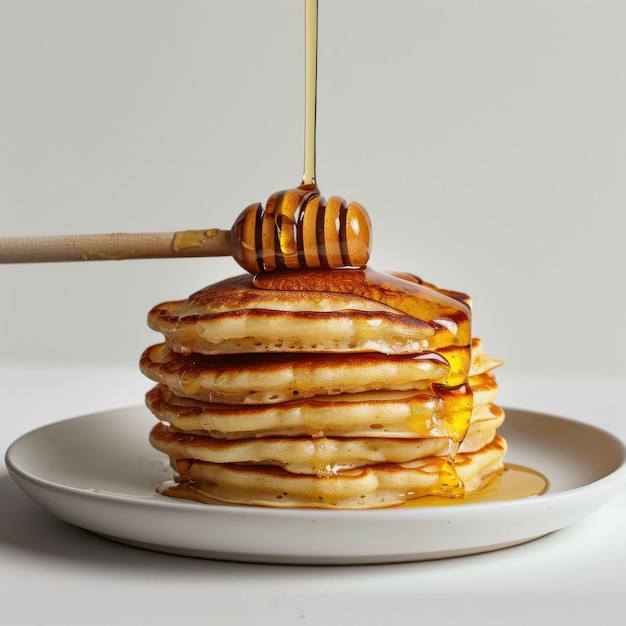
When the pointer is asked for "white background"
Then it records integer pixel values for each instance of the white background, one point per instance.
(486, 138)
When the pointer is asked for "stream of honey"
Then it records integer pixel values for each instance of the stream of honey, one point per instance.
(310, 97)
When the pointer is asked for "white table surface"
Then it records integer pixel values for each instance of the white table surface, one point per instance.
(51, 572)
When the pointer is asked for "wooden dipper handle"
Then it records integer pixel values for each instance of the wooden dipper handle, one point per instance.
(115, 246)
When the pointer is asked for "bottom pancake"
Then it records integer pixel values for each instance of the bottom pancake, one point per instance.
(373, 486)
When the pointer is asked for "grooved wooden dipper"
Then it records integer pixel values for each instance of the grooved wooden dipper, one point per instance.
(296, 229)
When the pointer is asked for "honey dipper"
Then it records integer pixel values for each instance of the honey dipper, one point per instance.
(296, 229)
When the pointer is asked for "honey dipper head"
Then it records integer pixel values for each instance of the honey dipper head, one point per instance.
(298, 228)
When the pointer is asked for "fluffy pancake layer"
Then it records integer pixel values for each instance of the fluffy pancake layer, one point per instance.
(374, 486)
(232, 316)
(321, 398)
(370, 414)
(269, 378)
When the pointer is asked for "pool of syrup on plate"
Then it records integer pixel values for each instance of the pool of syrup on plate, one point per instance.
(514, 482)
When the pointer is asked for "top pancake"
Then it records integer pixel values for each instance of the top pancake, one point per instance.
(233, 317)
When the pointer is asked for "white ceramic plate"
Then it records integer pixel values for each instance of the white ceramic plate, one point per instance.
(99, 472)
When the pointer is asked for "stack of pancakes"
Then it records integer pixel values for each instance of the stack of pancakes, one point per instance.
(299, 391)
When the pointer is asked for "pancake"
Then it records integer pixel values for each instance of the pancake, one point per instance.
(374, 486)
(481, 362)
(232, 316)
(279, 377)
(370, 414)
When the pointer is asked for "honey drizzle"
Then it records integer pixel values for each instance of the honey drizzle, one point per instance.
(310, 106)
